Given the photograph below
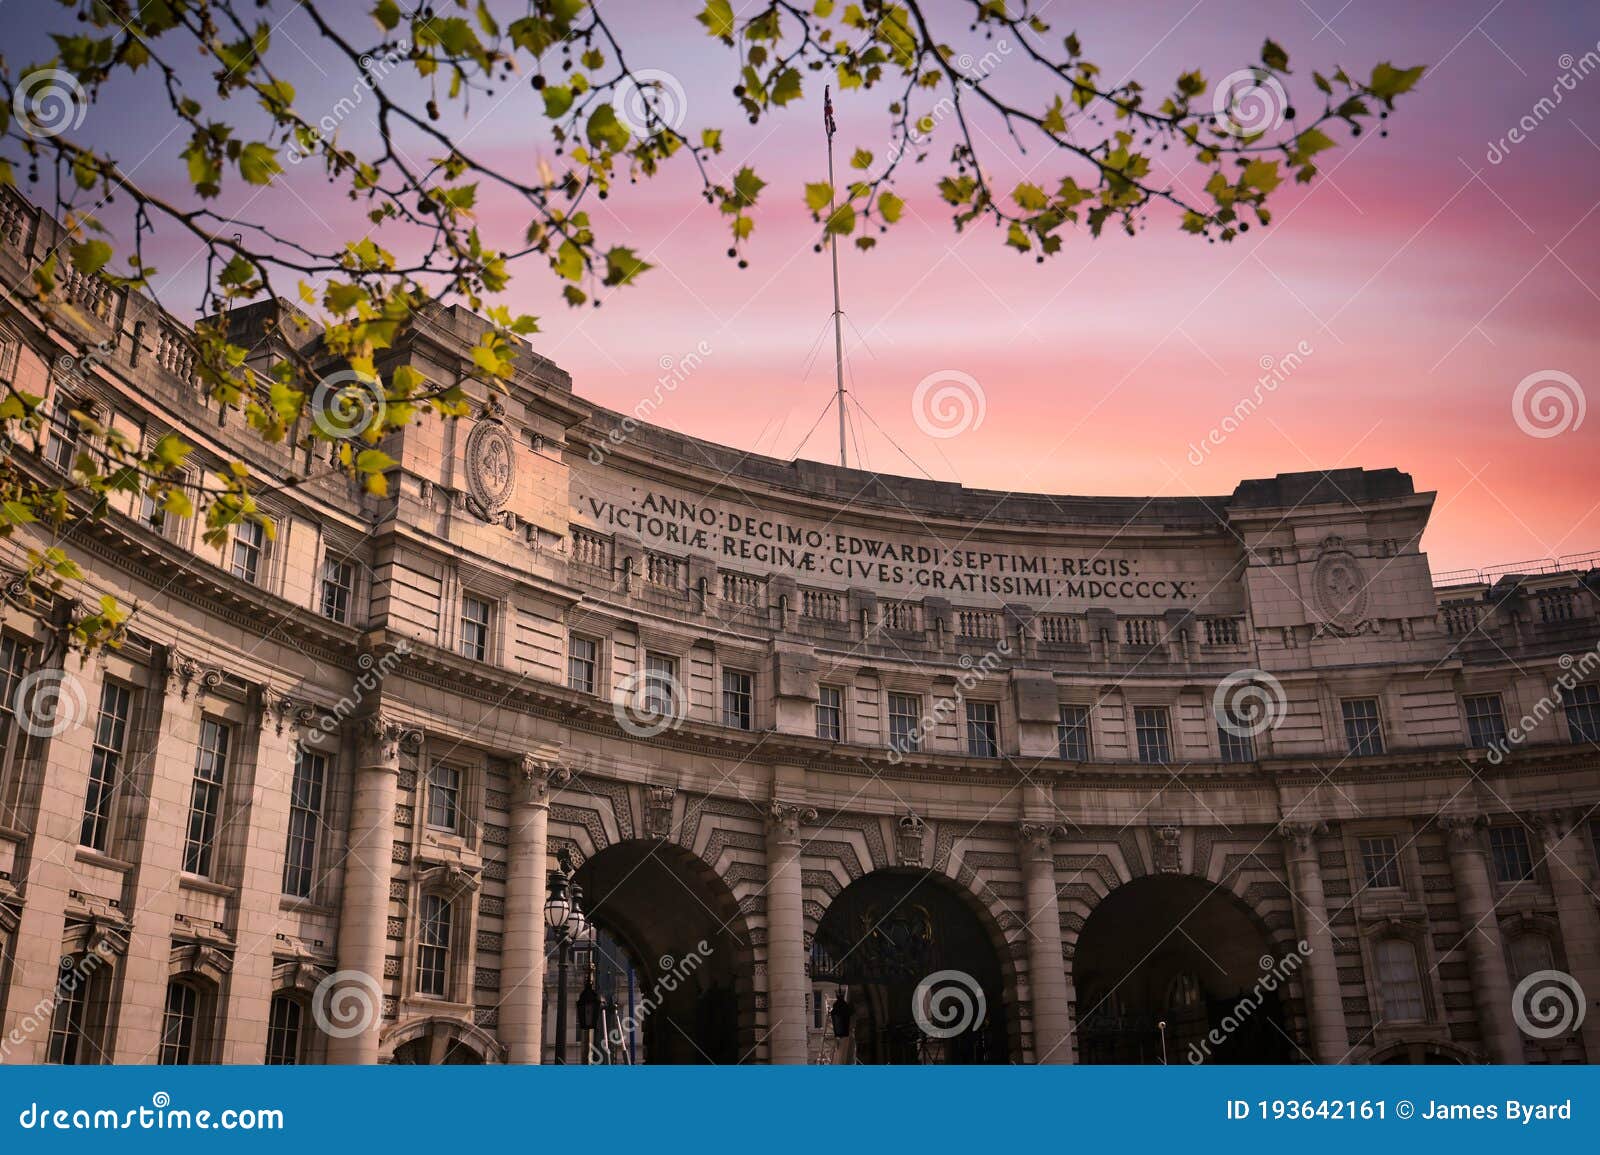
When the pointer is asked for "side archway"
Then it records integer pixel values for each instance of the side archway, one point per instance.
(1174, 968)
(673, 962)
(923, 969)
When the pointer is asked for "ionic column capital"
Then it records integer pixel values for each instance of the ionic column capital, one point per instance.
(1036, 841)
(785, 818)
(533, 779)
(1302, 836)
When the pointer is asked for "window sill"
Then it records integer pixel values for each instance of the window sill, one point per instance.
(295, 905)
(92, 857)
(187, 881)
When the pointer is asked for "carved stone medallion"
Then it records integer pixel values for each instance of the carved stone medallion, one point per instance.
(491, 467)
(1339, 585)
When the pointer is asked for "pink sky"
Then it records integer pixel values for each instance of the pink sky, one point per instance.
(1426, 281)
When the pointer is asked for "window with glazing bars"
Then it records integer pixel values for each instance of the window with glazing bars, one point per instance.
(444, 797)
(1486, 720)
(737, 699)
(1380, 863)
(1363, 732)
(433, 947)
(1508, 847)
(983, 730)
(1072, 733)
(1583, 712)
(830, 713)
(1152, 734)
(905, 722)
(582, 658)
(205, 799)
(110, 737)
(305, 822)
(338, 587)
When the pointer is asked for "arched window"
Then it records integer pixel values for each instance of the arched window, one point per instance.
(186, 1026)
(1529, 953)
(285, 1036)
(1400, 981)
(433, 947)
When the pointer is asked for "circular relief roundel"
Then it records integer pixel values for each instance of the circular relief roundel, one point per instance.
(491, 465)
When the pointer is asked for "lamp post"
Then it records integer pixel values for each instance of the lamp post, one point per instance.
(563, 915)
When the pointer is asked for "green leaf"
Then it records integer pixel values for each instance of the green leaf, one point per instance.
(258, 163)
(557, 100)
(786, 87)
(890, 207)
(1274, 57)
(842, 222)
(605, 130)
(818, 194)
(569, 261)
(718, 18)
(623, 265)
(1389, 82)
(861, 159)
(1030, 197)
(747, 187)
(90, 256)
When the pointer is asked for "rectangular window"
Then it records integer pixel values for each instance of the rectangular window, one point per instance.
(1400, 982)
(444, 797)
(179, 1024)
(1240, 747)
(1152, 733)
(1583, 712)
(150, 513)
(13, 661)
(830, 713)
(583, 657)
(660, 686)
(1363, 733)
(62, 449)
(1508, 846)
(248, 542)
(305, 822)
(738, 692)
(284, 1021)
(1486, 720)
(1380, 863)
(205, 800)
(433, 947)
(110, 737)
(1072, 733)
(905, 722)
(338, 589)
(983, 730)
(475, 628)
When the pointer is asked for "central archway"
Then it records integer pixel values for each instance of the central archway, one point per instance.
(672, 960)
(1168, 965)
(918, 963)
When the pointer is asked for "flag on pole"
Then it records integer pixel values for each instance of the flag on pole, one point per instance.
(827, 110)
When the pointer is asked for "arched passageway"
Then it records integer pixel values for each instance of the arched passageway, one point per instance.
(1165, 961)
(918, 964)
(671, 961)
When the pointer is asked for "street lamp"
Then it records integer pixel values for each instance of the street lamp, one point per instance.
(563, 915)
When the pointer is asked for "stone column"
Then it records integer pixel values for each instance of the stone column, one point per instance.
(1480, 928)
(1047, 975)
(786, 932)
(364, 910)
(527, 865)
(1330, 1043)
(1578, 913)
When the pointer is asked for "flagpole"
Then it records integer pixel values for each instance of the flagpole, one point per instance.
(833, 248)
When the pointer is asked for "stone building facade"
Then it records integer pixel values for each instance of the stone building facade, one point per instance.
(1196, 779)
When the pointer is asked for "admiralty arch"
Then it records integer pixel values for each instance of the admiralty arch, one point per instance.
(593, 742)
